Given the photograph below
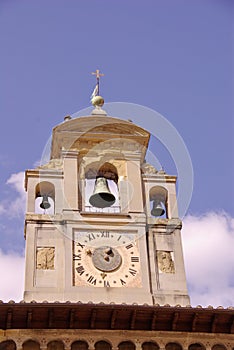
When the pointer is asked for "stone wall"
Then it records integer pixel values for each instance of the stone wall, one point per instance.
(112, 340)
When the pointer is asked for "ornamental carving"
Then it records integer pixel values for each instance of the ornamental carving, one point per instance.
(165, 262)
(148, 169)
(52, 164)
(45, 258)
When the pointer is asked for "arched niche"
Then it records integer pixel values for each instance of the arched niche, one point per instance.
(173, 346)
(94, 172)
(79, 345)
(158, 196)
(102, 345)
(31, 345)
(218, 347)
(127, 345)
(196, 346)
(7, 345)
(44, 191)
(150, 346)
(55, 345)
(97, 169)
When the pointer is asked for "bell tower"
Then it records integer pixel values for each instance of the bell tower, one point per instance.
(102, 224)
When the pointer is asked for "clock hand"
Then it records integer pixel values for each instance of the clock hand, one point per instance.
(88, 252)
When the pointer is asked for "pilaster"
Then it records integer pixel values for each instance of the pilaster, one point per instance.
(70, 159)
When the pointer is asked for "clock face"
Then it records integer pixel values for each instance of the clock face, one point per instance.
(106, 259)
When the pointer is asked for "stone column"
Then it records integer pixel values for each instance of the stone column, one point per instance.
(172, 208)
(208, 346)
(138, 344)
(67, 344)
(43, 344)
(133, 167)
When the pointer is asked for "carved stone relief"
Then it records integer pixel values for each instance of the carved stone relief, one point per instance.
(148, 169)
(165, 262)
(52, 164)
(45, 258)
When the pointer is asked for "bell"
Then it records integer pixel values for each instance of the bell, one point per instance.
(157, 209)
(45, 203)
(102, 196)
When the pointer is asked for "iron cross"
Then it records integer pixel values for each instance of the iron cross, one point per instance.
(98, 75)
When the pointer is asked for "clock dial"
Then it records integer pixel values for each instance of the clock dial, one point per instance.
(106, 259)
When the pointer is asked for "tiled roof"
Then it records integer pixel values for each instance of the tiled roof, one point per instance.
(67, 315)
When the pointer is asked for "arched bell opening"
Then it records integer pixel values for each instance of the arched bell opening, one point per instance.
(101, 188)
(158, 202)
(44, 198)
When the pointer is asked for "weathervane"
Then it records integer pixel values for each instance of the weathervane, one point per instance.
(96, 99)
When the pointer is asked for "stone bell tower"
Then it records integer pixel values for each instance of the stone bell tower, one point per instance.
(102, 224)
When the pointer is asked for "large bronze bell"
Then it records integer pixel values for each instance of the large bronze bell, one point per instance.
(157, 209)
(102, 196)
(45, 202)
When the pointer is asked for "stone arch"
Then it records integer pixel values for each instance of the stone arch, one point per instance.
(97, 169)
(8, 345)
(45, 190)
(79, 345)
(102, 345)
(219, 347)
(158, 196)
(173, 346)
(55, 345)
(150, 346)
(196, 346)
(126, 345)
(31, 345)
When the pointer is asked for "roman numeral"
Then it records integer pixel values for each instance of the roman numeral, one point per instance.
(134, 258)
(122, 282)
(92, 280)
(133, 272)
(76, 256)
(129, 246)
(80, 245)
(105, 234)
(80, 269)
(91, 237)
(106, 283)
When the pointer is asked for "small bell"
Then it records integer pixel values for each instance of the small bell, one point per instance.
(157, 209)
(45, 203)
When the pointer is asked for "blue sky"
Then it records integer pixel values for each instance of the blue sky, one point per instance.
(173, 56)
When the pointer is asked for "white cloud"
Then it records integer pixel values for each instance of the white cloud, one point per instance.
(16, 206)
(17, 181)
(12, 276)
(208, 243)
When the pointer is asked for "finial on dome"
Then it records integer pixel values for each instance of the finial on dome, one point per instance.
(96, 99)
